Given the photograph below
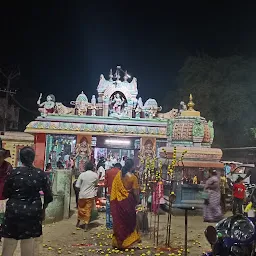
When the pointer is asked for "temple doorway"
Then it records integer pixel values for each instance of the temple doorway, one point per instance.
(115, 149)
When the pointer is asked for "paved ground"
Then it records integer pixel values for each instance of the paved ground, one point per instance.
(63, 238)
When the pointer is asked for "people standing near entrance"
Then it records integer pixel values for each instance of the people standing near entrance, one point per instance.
(108, 163)
(238, 196)
(123, 201)
(109, 177)
(24, 210)
(101, 168)
(49, 171)
(86, 183)
(5, 170)
(101, 174)
(212, 208)
(76, 190)
(124, 158)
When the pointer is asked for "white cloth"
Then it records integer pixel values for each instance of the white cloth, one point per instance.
(113, 161)
(108, 165)
(101, 173)
(28, 247)
(86, 182)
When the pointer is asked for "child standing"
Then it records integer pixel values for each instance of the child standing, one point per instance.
(238, 195)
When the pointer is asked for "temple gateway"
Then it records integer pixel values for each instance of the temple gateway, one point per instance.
(116, 122)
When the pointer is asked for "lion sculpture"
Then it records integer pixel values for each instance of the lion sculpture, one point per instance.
(63, 110)
(168, 115)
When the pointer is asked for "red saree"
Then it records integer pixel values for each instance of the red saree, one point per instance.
(123, 204)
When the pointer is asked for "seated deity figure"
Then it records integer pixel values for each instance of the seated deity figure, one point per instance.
(48, 106)
(83, 154)
(148, 150)
(118, 101)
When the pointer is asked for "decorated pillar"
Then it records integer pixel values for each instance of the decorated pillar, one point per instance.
(105, 106)
(40, 142)
(130, 108)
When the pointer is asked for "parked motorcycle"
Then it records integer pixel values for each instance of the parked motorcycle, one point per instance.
(233, 236)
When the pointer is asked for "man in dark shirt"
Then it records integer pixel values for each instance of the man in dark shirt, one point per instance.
(252, 174)
(109, 177)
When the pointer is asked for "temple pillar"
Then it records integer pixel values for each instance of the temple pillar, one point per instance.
(40, 143)
(130, 108)
(105, 107)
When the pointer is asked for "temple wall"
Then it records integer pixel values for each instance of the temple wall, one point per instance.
(14, 142)
(59, 209)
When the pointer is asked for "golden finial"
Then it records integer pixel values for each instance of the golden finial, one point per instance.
(191, 104)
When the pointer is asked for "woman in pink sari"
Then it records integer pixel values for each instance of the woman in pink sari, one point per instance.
(212, 206)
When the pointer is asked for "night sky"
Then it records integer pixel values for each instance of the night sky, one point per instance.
(63, 48)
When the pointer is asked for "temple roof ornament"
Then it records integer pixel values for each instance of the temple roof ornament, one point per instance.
(191, 104)
(82, 97)
(126, 76)
(121, 85)
(191, 111)
(117, 75)
(111, 75)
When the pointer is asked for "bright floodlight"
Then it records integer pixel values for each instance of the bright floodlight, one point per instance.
(117, 142)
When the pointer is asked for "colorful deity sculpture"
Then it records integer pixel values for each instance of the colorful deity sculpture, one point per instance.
(48, 106)
(139, 108)
(81, 104)
(83, 154)
(151, 108)
(93, 105)
(148, 150)
(117, 102)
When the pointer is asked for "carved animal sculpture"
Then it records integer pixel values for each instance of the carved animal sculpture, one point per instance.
(169, 115)
(63, 110)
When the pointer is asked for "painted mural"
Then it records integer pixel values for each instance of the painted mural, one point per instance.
(83, 152)
(148, 149)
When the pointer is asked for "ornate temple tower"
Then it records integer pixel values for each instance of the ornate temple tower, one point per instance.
(192, 133)
(123, 89)
(190, 129)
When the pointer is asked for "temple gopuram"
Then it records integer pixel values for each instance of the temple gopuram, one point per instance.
(116, 122)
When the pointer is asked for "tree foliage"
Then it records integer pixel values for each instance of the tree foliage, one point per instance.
(224, 90)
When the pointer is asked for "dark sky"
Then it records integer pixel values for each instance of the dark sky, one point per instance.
(63, 48)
